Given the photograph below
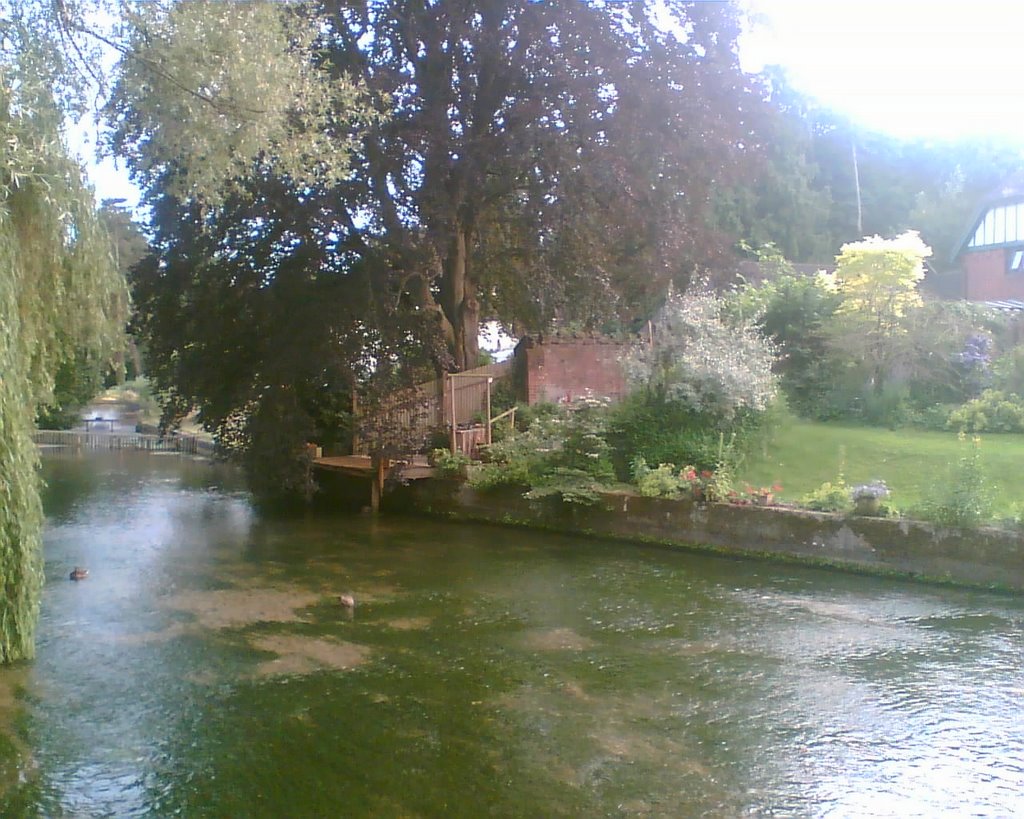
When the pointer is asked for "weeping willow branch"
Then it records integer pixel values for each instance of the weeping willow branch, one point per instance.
(60, 293)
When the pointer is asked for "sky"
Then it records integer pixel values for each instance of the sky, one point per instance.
(911, 68)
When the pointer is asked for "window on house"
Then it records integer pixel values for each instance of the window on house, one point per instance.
(1016, 260)
(1001, 225)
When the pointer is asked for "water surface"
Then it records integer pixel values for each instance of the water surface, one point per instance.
(206, 668)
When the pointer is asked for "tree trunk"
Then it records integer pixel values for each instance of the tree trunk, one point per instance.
(460, 302)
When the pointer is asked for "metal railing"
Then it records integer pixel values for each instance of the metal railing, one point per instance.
(74, 439)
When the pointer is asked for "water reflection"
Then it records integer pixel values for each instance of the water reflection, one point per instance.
(207, 668)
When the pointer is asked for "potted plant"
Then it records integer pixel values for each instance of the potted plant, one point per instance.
(762, 495)
(868, 497)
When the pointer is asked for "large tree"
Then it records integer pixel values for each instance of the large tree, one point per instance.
(540, 160)
(878, 282)
(255, 316)
(60, 294)
(526, 161)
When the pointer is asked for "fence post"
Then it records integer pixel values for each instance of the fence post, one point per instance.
(488, 415)
(450, 380)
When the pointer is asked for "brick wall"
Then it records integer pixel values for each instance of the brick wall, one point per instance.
(986, 277)
(562, 369)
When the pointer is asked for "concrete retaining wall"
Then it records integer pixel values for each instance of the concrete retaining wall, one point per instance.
(987, 558)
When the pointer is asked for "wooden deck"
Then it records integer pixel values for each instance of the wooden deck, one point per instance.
(361, 466)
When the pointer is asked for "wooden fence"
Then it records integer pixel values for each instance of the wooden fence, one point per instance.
(74, 439)
(442, 404)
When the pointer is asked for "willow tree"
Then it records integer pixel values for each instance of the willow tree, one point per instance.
(60, 293)
(238, 130)
(211, 95)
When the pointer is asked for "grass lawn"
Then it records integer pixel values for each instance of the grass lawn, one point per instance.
(803, 454)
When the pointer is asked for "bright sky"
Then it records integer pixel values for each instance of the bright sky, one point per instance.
(912, 68)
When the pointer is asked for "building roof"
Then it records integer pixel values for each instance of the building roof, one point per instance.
(1006, 305)
(1010, 189)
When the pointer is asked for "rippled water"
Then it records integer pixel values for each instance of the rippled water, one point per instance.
(206, 668)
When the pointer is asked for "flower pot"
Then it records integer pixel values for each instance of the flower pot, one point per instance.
(868, 507)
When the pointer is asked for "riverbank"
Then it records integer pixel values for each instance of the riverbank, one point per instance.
(984, 558)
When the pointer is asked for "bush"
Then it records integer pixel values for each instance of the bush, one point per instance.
(964, 499)
(794, 312)
(1008, 371)
(563, 452)
(661, 482)
(702, 358)
(661, 431)
(935, 417)
(993, 411)
(448, 464)
(831, 496)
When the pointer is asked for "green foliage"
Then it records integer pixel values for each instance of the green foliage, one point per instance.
(794, 312)
(449, 464)
(238, 87)
(60, 293)
(935, 417)
(503, 396)
(992, 411)
(563, 451)
(918, 364)
(570, 485)
(663, 481)
(659, 431)
(877, 279)
(831, 496)
(76, 381)
(513, 205)
(964, 498)
(1008, 371)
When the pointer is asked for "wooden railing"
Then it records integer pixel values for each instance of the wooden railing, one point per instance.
(442, 404)
(74, 439)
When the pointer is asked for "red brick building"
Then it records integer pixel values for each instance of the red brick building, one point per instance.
(991, 254)
(562, 368)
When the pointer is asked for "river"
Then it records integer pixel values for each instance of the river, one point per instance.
(207, 668)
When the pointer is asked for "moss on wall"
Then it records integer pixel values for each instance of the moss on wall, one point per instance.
(987, 558)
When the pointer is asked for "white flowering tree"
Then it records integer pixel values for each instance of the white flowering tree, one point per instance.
(700, 359)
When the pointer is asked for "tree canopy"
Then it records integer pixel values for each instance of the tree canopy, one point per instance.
(208, 92)
(525, 161)
(540, 160)
(878, 281)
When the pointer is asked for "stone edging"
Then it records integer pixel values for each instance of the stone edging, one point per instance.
(987, 558)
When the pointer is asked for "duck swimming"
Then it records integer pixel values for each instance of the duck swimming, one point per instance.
(78, 573)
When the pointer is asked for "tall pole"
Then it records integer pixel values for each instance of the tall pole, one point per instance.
(856, 186)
